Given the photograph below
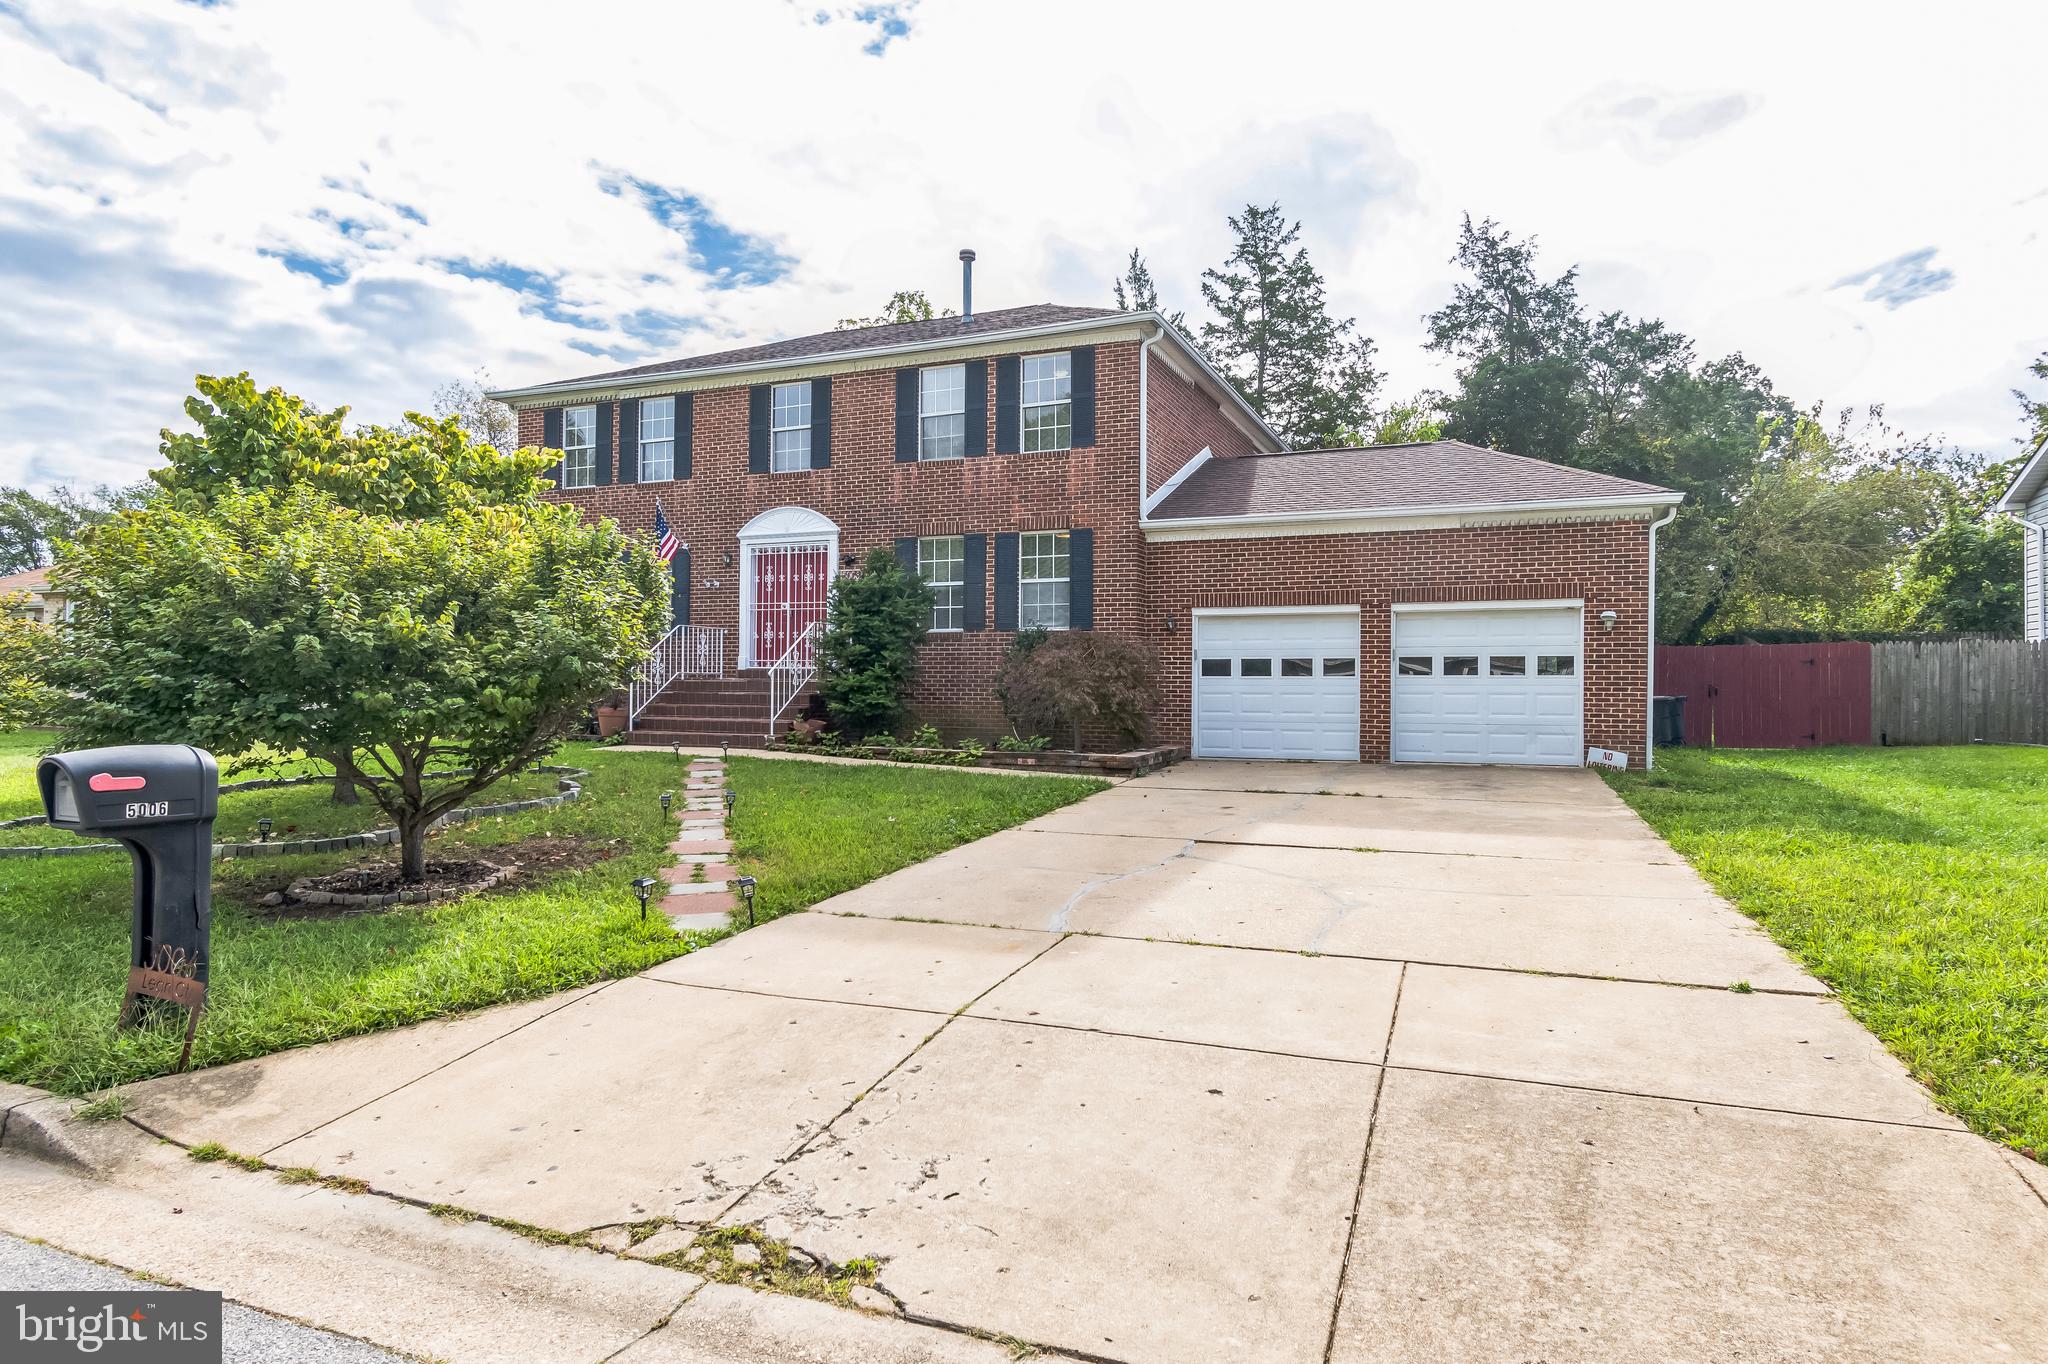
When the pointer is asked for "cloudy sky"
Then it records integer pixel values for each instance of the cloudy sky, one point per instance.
(362, 202)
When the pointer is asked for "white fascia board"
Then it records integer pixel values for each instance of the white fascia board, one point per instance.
(1228, 389)
(1446, 516)
(595, 387)
(2031, 476)
(1181, 476)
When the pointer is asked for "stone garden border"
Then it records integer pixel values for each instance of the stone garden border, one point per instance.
(568, 787)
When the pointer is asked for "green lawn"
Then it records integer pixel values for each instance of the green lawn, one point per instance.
(294, 811)
(807, 830)
(1912, 880)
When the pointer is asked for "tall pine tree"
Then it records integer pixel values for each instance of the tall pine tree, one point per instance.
(1136, 293)
(1310, 375)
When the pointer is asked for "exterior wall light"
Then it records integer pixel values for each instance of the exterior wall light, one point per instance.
(1607, 619)
(644, 887)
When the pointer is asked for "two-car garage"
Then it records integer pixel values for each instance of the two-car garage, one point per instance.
(1490, 682)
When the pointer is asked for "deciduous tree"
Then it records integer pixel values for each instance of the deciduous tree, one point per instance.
(867, 658)
(392, 647)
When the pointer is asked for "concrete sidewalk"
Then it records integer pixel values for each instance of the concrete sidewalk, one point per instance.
(1236, 1061)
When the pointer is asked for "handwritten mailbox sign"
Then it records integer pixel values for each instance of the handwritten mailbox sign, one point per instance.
(171, 976)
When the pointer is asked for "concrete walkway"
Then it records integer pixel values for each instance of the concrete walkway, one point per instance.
(1248, 1062)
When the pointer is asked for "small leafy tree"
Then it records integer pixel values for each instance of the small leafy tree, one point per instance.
(390, 648)
(905, 305)
(1071, 681)
(867, 659)
(27, 653)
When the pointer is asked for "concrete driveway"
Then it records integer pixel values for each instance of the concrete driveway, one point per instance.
(1239, 1061)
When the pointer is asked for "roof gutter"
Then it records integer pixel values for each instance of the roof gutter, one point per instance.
(1644, 501)
(571, 387)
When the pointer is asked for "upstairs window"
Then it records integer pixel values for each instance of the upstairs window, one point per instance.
(789, 427)
(941, 562)
(1048, 402)
(1043, 601)
(579, 447)
(942, 412)
(657, 439)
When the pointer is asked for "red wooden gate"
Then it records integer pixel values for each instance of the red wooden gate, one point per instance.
(1769, 695)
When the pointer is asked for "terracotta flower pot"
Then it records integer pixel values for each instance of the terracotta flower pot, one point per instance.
(610, 720)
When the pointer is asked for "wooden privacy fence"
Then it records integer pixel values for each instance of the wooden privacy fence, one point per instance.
(1769, 695)
(1954, 691)
(1958, 691)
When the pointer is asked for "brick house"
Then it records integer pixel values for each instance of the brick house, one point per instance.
(1085, 468)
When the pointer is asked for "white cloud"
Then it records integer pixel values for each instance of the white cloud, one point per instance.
(327, 202)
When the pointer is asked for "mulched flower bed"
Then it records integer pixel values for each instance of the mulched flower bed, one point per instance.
(377, 886)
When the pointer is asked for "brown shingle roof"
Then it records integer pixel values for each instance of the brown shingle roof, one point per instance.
(30, 580)
(1442, 473)
(936, 330)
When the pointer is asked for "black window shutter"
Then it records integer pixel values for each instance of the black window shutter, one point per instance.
(974, 582)
(551, 439)
(977, 411)
(821, 423)
(685, 411)
(1082, 370)
(1009, 392)
(1081, 578)
(604, 444)
(680, 594)
(629, 440)
(906, 415)
(757, 429)
(1006, 582)
(906, 553)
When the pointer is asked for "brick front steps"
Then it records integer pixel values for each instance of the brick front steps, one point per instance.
(701, 711)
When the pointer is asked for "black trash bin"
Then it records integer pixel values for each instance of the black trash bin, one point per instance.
(1667, 721)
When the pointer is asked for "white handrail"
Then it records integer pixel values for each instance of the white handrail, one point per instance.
(792, 672)
(685, 651)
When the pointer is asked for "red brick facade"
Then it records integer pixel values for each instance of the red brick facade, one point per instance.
(1605, 563)
(1140, 589)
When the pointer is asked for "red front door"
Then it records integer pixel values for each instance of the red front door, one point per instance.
(789, 583)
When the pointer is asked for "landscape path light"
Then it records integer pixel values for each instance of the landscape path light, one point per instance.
(667, 799)
(263, 829)
(643, 887)
(746, 885)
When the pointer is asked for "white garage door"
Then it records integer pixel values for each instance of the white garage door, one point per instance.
(1496, 685)
(1278, 685)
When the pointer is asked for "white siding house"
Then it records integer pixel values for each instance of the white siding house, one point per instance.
(2027, 502)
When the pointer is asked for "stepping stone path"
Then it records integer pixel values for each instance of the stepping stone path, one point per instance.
(698, 900)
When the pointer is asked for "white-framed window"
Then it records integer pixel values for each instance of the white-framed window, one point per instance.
(657, 439)
(1048, 402)
(942, 412)
(1042, 586)
(579, 447)
(942, 563)
(789, 427)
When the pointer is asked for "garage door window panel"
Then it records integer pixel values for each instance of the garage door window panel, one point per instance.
(1507, 665)
(1255, 667)
(1461, 665)
(1417, 665)
(1340, 667)
(1215, 667)
(1556, 665)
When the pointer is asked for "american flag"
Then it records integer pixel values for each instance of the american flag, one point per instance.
(665, 542)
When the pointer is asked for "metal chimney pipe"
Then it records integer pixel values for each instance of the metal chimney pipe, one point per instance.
(967, 285)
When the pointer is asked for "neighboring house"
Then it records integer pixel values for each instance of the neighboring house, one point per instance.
(2027, 502)
(31, 595)
(1084, 468)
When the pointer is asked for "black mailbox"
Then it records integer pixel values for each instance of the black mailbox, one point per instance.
(160, 800)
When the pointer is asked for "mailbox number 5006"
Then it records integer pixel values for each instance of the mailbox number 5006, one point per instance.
(148, 809)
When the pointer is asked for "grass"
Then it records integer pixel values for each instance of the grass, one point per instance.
(294, 811)
(807, 830)
(1914, 881)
